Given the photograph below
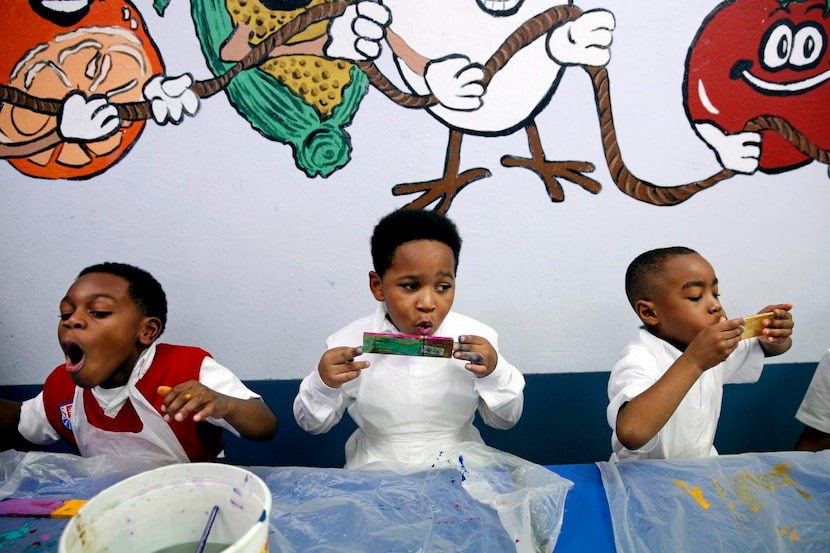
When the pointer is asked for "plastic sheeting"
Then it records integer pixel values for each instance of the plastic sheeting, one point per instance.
(475, 499)
(759, 502)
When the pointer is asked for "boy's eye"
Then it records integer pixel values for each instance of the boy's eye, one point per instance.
(410, 286)
(695, 298)
(65, 316)
(100, 314)
(444, 287)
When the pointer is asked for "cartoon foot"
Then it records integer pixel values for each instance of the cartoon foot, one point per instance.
(445, 189)
(551, 171)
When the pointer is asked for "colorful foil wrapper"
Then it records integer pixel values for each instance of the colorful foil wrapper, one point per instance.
(407, 344)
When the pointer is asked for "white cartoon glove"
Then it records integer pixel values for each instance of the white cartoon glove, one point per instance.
(456, 82)
(356, 34)
(584, 41)
(171, 98)
(83, 119)
(738, 152)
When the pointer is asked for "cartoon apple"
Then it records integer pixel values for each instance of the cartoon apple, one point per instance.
(761, 57)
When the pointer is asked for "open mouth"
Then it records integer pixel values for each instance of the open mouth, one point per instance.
(74, 356)
(500, 7)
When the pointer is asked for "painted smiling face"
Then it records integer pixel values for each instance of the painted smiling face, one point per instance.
(500, 7)
(764, 57)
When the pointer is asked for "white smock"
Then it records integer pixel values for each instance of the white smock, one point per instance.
(408, 409)
(156, 442)
(814, 410)
(690, 432)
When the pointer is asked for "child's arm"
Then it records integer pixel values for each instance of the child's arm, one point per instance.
(319, 404)
(9, 415)
(250, 417)
(812, 439)
(641, 418)
(776, 337)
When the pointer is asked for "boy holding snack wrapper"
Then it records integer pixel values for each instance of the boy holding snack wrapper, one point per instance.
(409, 408)
(120, 394)
(666, 389)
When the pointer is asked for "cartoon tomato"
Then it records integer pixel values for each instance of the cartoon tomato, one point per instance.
(103, 50)
(763, 57)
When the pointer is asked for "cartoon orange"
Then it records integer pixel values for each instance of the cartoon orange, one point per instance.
(107, 52)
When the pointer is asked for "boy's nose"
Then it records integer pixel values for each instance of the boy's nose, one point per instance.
(426, 301)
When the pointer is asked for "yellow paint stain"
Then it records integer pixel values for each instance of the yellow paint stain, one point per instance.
(790, 529)
(695, 492)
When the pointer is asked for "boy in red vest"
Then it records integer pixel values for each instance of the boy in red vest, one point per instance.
(121, 394)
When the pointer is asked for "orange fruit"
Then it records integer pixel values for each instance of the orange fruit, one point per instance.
(108, 52)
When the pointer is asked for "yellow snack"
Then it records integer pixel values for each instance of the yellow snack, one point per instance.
(754, 325)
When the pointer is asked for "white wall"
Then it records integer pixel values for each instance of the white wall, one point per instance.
(261, 263)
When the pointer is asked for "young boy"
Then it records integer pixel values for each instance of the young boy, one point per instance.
(665, 391)
(409, 409)
(120, 394)
(814, 410)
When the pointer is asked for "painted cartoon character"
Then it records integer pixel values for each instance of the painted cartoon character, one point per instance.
(444, 54)
(85, 56)
(304, 87)
(761, 58)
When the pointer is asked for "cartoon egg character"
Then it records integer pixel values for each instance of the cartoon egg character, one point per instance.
(441, 48)
(763, 57)
(436, 29)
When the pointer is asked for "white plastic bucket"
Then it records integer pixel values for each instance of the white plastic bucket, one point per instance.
(170, 506)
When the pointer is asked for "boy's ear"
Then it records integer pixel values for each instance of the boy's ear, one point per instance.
(376, 285)
(646, 311)
(150, 331)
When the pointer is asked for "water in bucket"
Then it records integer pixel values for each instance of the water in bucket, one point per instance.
(165, 510)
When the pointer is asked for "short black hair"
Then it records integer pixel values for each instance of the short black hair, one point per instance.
(144, 289)
(405, 225)
(640, 271)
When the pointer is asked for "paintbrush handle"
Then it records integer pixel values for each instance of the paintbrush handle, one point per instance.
(203, 541)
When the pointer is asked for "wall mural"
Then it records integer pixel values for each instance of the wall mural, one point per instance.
(80, 78)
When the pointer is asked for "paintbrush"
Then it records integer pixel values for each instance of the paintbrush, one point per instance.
(203, 541)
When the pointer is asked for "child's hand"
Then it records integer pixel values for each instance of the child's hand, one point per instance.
(480, 355)
(715, 343)
(337, 366)
(192, 397)
(778, 329)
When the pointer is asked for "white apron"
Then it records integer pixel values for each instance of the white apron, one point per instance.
(156, 441)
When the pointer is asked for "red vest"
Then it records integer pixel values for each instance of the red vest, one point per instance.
(171, 365)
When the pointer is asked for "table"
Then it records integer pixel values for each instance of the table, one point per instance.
(586, 525)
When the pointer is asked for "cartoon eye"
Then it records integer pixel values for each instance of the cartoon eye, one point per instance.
(776, 48)
(808, 46)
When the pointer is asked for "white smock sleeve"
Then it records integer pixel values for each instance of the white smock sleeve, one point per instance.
(814, 410)
(501, 394)
(317, 407)
(34, 426)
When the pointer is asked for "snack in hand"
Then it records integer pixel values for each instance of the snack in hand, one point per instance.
(407, 344)
(754, 324)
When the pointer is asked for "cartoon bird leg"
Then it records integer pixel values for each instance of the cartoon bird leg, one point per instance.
(550, 170)
(445, 189)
